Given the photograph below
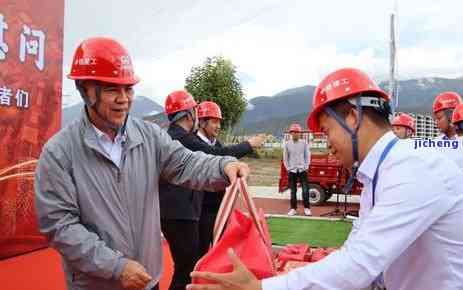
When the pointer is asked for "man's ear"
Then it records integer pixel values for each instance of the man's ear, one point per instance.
(352, 118)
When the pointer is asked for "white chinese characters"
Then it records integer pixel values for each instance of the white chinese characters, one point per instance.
(32, 42)
(335, 84)
(21, 97)
(5, 96)
(35, 46)
(3, 45)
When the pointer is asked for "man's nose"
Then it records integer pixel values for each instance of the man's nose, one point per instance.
(124, 95)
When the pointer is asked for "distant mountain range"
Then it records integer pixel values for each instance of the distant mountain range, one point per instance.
(271, 114)
(274, 114)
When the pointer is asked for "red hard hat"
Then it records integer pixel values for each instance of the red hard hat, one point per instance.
(457, 115)
(341, 84)
(404, 120)
(295, 128)
(209, 109)
(446, 100)
(179, 101)
(102, 59)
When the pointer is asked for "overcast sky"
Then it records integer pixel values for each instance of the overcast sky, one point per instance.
(274, 44)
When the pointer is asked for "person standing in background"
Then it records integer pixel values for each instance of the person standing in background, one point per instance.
(296, 158)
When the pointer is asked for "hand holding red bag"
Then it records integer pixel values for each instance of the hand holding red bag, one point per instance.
(248, 236)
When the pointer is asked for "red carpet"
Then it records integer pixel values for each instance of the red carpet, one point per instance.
(41, 270)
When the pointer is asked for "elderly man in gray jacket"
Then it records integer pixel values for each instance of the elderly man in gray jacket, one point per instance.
(97, 180)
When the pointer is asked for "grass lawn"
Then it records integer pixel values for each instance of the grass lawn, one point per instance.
(317, 233)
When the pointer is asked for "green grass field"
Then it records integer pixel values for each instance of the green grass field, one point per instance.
(317, 233)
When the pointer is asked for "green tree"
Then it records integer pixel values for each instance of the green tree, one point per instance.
(215, 80)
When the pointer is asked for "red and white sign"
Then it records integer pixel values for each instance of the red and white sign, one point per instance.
(31, 48)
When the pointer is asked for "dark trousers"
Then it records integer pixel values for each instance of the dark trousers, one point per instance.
(292, 180)
(183, 237)
(206, 229)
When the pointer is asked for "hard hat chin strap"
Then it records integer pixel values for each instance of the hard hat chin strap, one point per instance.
(354, 139)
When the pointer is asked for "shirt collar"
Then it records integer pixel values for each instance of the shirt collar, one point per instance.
(368, 166)
(98, 132)
(103, 136)
(205, 139)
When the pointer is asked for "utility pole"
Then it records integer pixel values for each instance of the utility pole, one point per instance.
(393, 87)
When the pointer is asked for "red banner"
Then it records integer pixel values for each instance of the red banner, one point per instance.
(31, 48)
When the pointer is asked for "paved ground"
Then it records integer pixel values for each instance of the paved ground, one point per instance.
(275, 203)
(272, 192)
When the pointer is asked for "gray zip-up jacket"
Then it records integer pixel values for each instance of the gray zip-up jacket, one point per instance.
(296, 156)
(97, 215)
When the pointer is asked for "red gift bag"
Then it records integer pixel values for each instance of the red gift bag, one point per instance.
(247, 235)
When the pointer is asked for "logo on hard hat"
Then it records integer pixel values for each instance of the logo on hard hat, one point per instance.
(125, 63)
(448, 102)
(125, 60)
(334, 84)
(85, 61)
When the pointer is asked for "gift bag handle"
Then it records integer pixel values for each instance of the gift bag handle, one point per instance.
(228, 204)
